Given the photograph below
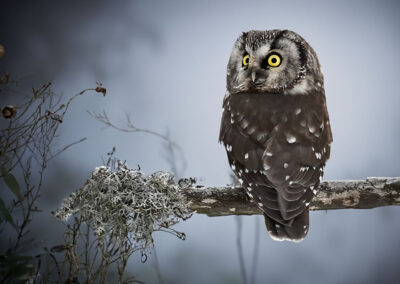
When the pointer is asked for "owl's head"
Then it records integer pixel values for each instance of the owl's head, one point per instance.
(274, 61)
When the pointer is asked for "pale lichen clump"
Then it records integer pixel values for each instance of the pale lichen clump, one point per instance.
(126, 205)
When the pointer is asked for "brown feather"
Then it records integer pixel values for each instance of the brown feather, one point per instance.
(255, 129)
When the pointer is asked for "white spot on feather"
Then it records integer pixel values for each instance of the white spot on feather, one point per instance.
(260, 136)
(244, 123)
(246, 156)
(298, 111)
(251, 130)
(303, 169)
(311, 128)
(287, 177)
(285, 165)
(290, 139)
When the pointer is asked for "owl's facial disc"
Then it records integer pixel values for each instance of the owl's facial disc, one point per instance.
(266, 61)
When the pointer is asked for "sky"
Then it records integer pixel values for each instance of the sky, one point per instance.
(164, 64)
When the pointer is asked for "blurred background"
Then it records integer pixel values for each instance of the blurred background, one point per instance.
(163, 62)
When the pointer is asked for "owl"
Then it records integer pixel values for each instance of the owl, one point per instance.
(275, 127)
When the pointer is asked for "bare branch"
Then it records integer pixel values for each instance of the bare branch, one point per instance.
(66, 147)
(130, 127)
(170, 146)
(351, 194)
(240, 249)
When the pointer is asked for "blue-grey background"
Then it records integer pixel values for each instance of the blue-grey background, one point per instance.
(164, 63)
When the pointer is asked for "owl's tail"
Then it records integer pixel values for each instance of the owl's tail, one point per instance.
(296, 231)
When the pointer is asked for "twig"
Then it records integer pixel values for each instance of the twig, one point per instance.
(27, 137)
(240, 248)
(103, 117)
(66, 147)
(157, 266)
(131, 128)
(255, 251)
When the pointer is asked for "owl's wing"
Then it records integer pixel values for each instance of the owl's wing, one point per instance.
(278, 162)
(245, 147)
(294, 158)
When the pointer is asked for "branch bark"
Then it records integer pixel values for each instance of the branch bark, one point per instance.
(350, 194)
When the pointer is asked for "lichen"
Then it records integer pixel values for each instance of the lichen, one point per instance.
(125, 203)
(352, 200)
(209, 201)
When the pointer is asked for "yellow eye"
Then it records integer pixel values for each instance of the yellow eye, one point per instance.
(274, 60)
(246, 60)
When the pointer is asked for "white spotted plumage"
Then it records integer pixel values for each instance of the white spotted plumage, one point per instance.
(279, 138)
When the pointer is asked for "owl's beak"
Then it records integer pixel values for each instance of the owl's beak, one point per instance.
(253, 76)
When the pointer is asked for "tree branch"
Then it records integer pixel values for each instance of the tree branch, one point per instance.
(349, 194)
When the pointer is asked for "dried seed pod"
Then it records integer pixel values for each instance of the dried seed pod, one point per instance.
(2, 51)
(101, 89)
(8, 112)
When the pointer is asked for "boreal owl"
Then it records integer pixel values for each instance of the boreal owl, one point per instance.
(275, 126)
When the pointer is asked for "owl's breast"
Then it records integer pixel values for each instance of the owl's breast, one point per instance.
(257, 115)
(250, 121)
